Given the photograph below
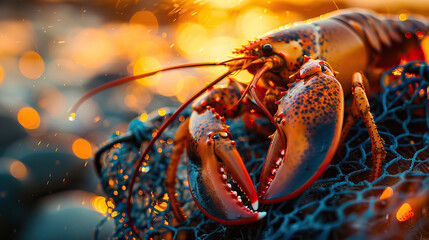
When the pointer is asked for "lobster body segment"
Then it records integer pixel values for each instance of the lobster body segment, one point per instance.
(311, 116)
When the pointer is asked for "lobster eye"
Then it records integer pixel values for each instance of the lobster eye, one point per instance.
(324, 66)
(267, 49)
(224, 134)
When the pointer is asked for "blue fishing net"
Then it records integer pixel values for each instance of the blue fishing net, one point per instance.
(342, 204)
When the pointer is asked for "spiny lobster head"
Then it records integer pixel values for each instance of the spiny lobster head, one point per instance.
(310, 115)
(284, 53)
(257, 48)
(218, 179)
(264, 51)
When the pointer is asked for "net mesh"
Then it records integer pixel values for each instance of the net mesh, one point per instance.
(341, 204)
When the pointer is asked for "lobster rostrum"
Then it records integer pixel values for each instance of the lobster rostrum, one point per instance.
(307, 101)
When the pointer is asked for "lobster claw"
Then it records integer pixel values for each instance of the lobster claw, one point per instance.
(216, 172)
(311, 116)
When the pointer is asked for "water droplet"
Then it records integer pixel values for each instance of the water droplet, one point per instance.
(72, 117)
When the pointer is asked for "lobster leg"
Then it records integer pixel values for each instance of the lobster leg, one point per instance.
(179, 147)
(353, 115)
(361, 108)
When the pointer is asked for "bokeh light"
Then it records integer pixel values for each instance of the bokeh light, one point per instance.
(1, 75)
(161, 112)
(145, 19)
(82, 148)
(143, 117)
(28, 118)
(18, 170)
(99, 204)
(387, 193)
(402, 16)
(191, 38)
(404, 213)
(144, 65)
(31, 65)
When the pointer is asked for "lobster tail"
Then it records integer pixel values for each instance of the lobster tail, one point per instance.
(387, 35)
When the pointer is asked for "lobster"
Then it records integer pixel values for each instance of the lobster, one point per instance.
(302, 98)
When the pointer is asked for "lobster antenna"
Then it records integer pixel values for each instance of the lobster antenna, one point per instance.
(255, 79)
(155, 138)
(241, 98)
(120, 81)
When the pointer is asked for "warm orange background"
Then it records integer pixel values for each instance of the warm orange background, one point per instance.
(53, 51)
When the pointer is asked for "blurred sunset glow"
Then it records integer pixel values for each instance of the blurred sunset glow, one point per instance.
(257, 21)
(53, 52)
(79, 48)
(92, 48)
(190, 85)
(15, 37)
(191, 38)
(170, 84)
(212, 17)
(148, 40)
(225, 4)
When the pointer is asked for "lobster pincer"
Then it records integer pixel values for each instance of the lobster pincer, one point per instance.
(218, 179)
(310, 114)
(217, 176)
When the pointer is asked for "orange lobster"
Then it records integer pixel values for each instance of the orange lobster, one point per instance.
(307, 101)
